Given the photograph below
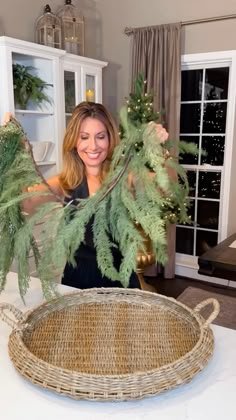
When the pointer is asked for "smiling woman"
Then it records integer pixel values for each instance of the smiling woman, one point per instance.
(93, 144)
(88, 146)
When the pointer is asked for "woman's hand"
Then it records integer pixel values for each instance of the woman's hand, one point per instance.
(161, 132)
(7, 117)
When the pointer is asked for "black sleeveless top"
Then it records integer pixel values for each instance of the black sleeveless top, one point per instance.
(86, 274)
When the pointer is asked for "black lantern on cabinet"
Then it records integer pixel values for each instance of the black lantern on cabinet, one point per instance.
(48, 29)
(72, 28)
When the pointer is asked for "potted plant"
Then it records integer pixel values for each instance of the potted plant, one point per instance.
(28, 87)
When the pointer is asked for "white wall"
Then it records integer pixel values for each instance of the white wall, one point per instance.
(17, 19)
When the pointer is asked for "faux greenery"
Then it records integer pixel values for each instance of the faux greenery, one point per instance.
(141, 111)
(115, 208)
(28, 87)
(153, 201)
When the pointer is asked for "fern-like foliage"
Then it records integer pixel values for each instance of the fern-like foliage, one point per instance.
(150, 200)
(28, 87)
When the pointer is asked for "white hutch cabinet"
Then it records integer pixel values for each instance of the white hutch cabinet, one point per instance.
(70, 79)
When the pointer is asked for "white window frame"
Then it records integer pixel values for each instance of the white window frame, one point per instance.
(187, 265)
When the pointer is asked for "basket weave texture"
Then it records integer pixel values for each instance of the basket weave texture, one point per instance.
(110, 344)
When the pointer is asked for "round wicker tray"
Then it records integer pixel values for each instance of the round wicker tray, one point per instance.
(110, 344)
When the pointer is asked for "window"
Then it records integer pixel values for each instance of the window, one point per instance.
(207, 114)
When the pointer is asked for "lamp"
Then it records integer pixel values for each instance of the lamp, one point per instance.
(48, 29)
(72, 28)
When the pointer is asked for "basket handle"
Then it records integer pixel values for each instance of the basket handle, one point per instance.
(213, 315)
(4, 307)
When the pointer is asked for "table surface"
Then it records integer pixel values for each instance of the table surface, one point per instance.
(220, 260)
(209, 396)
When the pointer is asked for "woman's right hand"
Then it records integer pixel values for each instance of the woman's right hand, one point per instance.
(7, 117)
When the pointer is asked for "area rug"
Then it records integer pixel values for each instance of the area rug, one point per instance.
(227, 316)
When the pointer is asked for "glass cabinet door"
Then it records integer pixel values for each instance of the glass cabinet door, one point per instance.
(90, 88)
(91, 84)
(69, 83)
(81, 83)
(70, 93)
(72, 89)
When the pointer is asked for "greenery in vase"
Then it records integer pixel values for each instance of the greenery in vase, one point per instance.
(140, 112)
(28, 87)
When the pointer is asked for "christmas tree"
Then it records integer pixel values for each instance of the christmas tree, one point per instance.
(140, 104)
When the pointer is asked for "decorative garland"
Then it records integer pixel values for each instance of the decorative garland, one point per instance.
(154, 202)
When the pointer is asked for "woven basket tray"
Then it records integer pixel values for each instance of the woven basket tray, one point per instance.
(110, 344)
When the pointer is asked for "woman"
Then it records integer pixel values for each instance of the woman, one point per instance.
(88, 146)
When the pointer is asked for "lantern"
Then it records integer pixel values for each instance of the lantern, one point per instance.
(72, 28)
(48, 29)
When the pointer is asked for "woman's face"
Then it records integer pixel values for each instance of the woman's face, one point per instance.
(93, 143)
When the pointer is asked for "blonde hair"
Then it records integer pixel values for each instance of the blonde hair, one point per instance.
(73, 168)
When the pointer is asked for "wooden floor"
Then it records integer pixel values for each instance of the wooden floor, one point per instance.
(174, 287)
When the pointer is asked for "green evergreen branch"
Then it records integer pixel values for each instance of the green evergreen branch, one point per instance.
(152, 201)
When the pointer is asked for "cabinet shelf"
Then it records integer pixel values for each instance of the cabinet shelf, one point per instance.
(46, 163)
(32, 112)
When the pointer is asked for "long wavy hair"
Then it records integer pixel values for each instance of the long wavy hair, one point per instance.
(73, 167)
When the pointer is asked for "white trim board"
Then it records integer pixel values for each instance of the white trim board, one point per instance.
(192, 273)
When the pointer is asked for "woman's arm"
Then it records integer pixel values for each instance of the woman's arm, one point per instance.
(29, 205)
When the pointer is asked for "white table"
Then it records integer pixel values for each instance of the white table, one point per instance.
(211, 395)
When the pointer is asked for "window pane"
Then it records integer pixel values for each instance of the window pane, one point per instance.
(190, 118)
(208, 214)
(69, 79)
(209, 184)
(214, 117)
(192, 183)
(205, 240)
(191, 85)
(191, 213)
(187, 158)
(214, 146)
(191, 210)
(184, 240)
(216, 83)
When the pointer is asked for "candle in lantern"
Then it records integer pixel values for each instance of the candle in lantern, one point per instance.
(90, 95)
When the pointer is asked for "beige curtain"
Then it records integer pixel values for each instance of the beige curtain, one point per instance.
(156, 52)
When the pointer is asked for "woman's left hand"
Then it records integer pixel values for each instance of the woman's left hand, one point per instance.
(162, 134)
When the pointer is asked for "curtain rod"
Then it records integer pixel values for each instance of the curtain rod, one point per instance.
(129, 31)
